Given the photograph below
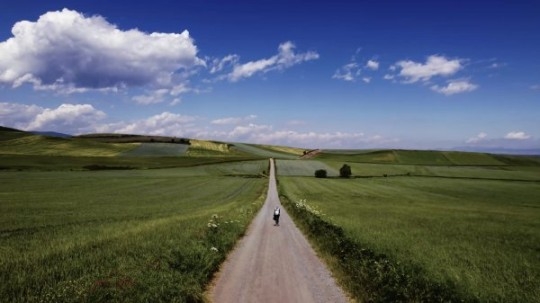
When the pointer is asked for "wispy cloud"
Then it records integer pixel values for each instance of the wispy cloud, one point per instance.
(347, 72)
(67, 51)
(353, 70)
(480, 137)
(217, 65)
(285, 58)
(455, 87)
(233, 120)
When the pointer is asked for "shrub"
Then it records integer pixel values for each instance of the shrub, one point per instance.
(345, 171)
(320, 173)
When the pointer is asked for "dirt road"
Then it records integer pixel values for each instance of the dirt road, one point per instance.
(274, 263)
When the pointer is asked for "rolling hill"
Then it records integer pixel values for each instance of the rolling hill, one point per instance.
(19, 143)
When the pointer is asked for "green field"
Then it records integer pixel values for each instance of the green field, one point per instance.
(126, 218)
(122, 236)
(475, 230)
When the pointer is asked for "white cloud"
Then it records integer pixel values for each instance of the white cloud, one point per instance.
(164, 124)
(69, 52)
(76, 118)
(351, 71)
(233, 120)
(218, 65)
(285, 58)
(372, 64)
(480, 137)
(434, 66)
(347, 72)
(154, 97)
(18, 115)
(517, 136)
(455, 87)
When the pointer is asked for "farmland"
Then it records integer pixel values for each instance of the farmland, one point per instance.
(138, 218)
(111, 235)
(119, 217)
(468, 231)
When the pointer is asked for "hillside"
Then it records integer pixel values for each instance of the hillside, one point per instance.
(427, 157)
(15, 142)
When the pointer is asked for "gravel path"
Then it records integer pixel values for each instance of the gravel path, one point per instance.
(274, 263)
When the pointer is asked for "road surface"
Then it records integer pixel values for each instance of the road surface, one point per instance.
(274, 263)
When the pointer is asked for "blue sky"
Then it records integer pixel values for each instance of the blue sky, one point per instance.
(341, 74)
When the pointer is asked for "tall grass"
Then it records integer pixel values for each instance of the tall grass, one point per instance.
(120, 236)
(478, 238)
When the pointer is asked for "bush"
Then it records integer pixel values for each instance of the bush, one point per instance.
(320, 173)
(345, 171)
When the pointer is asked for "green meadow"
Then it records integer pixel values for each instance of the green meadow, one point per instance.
(143, 235)
(84, 220)
(441, 226)
(125, 218)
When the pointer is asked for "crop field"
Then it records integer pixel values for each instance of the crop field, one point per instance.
(474, 230)
(39, 145)
(268, 151)
(124, 236)
(426, 157)
(303, 168)
(157, 150)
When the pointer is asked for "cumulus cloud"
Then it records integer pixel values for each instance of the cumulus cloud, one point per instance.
(434, 66)
(267, 134)
(70, 52)
(164, 124)
(76, 118)
(517, 136)
(455, 87)
(285, 58)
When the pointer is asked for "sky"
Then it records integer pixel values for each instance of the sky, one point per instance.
(329, 74)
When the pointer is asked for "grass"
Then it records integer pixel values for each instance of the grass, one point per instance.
(129, 236)
(268, 151)
(49, 146)
(201, 148)
(427, 157)
(303, 168)
(464, 238)
(157, 150)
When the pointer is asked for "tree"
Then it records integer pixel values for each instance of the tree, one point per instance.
(320, 173)
(345, 171)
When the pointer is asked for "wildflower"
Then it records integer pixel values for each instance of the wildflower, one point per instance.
(214, 249)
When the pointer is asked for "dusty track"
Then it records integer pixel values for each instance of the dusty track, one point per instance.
(274, 263)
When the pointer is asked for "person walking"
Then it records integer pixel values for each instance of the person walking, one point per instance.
(277, 212)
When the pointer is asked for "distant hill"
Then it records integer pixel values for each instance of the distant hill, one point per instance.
(52, 134)
(17, 142)
(427, 157)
